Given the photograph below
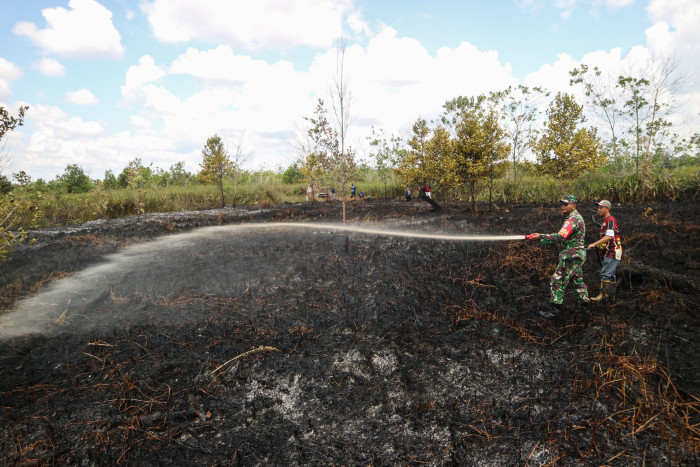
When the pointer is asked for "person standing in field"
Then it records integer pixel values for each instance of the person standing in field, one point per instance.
(408, 194)
(572, 255)
(610, 250)
(353, 190)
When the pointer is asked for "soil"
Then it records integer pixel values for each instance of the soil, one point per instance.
(155, 341)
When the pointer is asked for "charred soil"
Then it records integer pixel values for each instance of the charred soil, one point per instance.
(318, 347)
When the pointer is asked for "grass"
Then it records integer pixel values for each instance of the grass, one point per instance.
(61, 209)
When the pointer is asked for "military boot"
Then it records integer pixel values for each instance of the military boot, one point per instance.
(599, 297)
(609, 291)
(552, 310)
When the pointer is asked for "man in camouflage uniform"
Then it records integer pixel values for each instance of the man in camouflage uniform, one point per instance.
(572, 255)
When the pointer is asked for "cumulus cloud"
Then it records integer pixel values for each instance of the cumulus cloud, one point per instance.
(674, 33)
(221, 64)
(58, 139)
(8, 72)
(81, 97)
(263, 24)
(84, 31)
(50, 67)
(392, 80)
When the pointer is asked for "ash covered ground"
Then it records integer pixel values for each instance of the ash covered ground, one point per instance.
(184, 339)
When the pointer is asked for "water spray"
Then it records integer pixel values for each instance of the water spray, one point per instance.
(391, 233)
(84, 299)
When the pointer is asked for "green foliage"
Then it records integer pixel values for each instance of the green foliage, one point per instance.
(564, 150)
(293, 174)
(75, 180)
(385, 152)
(8, 122)
(5, 185)
(110, 182)
(480, 149)
(416, 165)
(216, 164)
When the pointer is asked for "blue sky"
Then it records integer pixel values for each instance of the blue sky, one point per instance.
(110, 80)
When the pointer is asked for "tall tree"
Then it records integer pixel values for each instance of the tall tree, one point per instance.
(75, 180)
(603, 94)
(7, 124)
(419, 163)
(335, 156)
(565, 150)
(215, 164)
(337, 162)
(519, 109)
(480, 149)
(385, 154)
(238, 155)
(496, 150)
(12, 208)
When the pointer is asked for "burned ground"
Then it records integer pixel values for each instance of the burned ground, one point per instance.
(296, 347)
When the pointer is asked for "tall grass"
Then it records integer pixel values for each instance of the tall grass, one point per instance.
(60, 209)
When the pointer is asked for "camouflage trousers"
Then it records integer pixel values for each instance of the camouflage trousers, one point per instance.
(568, 270)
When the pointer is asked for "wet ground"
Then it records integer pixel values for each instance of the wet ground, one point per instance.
(152, 340)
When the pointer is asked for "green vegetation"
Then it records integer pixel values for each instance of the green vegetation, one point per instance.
(43, 209)
(517, 145)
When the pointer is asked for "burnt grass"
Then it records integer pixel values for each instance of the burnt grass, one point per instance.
(360, 349)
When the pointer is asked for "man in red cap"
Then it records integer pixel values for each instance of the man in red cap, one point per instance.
(610, 250)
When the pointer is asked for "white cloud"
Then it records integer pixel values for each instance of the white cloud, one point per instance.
(393, 80)
(676, 34)
(8, 72)
(84, 31)
(50, 67)
(222, 65)
(262, 24)
(137, 76)
(81, 97)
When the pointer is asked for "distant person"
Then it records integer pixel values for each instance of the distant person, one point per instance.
(353, 190)
(572, 255)
(332, 192)
(427, 191)
(610, 251)
(362, 194)
(408, 194)
(309, 192)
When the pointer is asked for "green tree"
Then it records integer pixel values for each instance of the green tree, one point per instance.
(293, 174)
(135, 174)
(519, 109)
(5, 185)
(603, 94)
(75, 180)
(333, 157)
(417, 164)
(480, 150)
(385, 154)
(110, 182)
(8, 122)
(565, 150)
(496, 150)
(336, 157)
(311, 171)
(215, 164)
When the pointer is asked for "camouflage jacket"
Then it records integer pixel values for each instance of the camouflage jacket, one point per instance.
(571, 236)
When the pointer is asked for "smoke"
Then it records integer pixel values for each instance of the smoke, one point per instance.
(136, 285)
